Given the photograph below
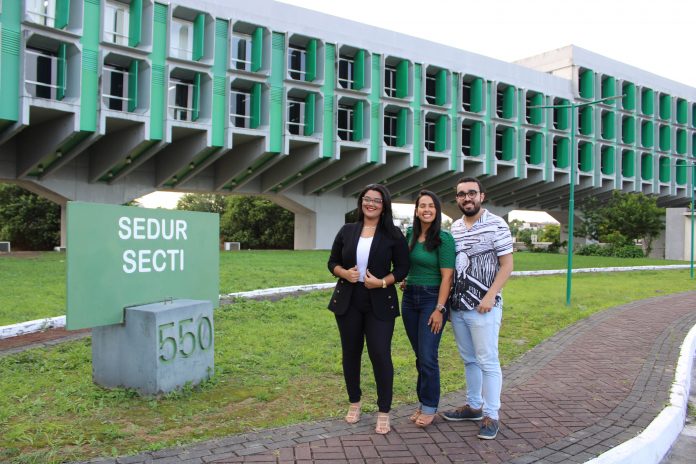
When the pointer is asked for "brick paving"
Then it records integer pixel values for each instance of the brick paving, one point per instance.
(590, 387)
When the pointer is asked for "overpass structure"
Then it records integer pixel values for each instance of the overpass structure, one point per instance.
(109, 100)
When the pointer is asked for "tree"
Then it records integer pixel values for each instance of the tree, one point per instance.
(203, 202)
(515, 226)
(257, 223)
(622, 220)
(550, 233)
(27, 220)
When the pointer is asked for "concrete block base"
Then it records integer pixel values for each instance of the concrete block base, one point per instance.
(160, 348)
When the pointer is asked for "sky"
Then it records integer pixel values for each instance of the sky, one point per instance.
(651, 35)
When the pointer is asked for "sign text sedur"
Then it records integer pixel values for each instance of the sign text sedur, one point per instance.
(149, 260)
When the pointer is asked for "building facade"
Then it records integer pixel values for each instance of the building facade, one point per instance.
(109, 100)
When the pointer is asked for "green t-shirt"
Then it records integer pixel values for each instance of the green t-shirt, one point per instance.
(426, 265)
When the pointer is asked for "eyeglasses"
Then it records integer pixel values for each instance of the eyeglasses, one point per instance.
(374, 201)
(471, 194)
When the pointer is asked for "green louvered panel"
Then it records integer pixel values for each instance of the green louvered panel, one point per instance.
(585, 158)
(681, 172)
(586, 119)
(358, 120)
(664, 173)
(135, 24)
(682, 111)
(196, 97)
(477, 95)
(359, 70)
(608, 160)
(647, 101)
(198, 37)
(665, 133)
(63, 12)
(628, 129)
(441, 133)
(629, 96)
(276, 103)
(133, 85)
(257, 49)
(401, 127)
(402, 79)
(586, 83)
(681, 141)
(647, 135)
(476, 138)
(255, 121)
(312, 47)
(562, 153)
(310, 104)
(9, 57)
(646, 166)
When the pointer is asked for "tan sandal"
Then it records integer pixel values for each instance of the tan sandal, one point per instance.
(425, 420)
(383, 427)
(353, 415)
(414, 416)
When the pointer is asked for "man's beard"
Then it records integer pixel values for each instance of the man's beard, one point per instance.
(470, 213)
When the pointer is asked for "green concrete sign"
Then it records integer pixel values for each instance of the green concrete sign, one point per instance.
(120, 256)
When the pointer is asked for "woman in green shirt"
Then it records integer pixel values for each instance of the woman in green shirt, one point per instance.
(423, 309)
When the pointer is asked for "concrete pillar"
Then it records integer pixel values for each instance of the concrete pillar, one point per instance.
(677, 234)
(317, 218)
(63, 224)
(562, 217)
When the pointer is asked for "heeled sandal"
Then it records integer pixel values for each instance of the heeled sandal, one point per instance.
(415, 415)
(425, 420)
(353, 415)
(383, 423)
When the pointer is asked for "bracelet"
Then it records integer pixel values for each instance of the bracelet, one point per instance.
(384, 283)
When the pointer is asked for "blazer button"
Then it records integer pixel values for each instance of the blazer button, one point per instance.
(334, 301)
(389, 297)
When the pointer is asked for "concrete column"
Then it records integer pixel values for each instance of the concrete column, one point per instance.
(562, 217)
(63, 225)
(677, 235)
(317, 218)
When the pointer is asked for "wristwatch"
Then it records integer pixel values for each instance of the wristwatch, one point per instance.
(441, 308)
(384, 283)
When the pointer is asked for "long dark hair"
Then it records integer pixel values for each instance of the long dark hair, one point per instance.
(386, 220)
(432, 238)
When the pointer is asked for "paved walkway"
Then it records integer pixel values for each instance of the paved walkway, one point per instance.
(590, 387)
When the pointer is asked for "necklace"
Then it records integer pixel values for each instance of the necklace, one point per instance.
(369, 227)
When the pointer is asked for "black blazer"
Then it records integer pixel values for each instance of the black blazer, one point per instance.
(387, 255)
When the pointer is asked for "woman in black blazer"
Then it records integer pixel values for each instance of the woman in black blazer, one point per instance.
(368, 257)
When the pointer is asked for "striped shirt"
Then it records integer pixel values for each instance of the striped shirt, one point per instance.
(477, 262)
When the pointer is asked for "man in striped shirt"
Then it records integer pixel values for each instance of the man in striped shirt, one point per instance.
(483, 265)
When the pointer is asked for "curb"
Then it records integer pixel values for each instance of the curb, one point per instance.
(23, 328)
(653, 443)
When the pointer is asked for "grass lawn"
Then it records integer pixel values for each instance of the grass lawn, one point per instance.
(275, 364)
(37, 281)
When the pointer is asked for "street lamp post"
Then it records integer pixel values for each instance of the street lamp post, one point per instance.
(571, 200)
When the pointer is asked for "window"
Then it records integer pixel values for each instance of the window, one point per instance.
(390, 81)
(345, 122)
(181, 38)
(42, 11)
(430, 135)
(115, 88)
(431, 89)
(346, 70)
(297, 63)
(181, 100)
(116, 23)
(44, 74)
(390, 129)
(241, 52)
(240, 109)
(296, 120)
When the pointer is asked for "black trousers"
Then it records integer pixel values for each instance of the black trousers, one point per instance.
(356, 326)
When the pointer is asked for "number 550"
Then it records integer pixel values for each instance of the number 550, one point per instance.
(185, 340)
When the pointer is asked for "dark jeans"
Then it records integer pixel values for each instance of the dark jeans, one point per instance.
(356, 326)
(417, 306)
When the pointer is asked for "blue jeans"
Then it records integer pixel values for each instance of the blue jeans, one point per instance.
(476, 335)
(417, 306)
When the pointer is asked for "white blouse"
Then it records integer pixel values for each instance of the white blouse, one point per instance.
(363, 253)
